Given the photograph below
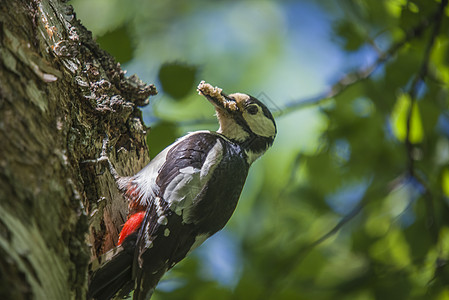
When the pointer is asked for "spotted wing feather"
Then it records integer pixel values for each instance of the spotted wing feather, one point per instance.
(166, 236)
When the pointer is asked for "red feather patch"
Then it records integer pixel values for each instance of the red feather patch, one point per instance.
(134, 222)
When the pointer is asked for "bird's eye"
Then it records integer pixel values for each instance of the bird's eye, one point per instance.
(252, 109)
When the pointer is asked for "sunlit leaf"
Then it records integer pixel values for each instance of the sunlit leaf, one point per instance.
(444, 295)
(444, 241)
(377, 224)
(445, 181)
(394, 7)
(392, 249)
(399, 117)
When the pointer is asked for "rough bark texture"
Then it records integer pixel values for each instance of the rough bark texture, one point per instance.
(59, 96)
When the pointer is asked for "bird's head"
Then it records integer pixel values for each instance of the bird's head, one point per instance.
(243, 119)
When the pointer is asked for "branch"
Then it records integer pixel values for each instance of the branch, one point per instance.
(339, 87)
(419, 80)
(357, 76)
(346, 81)
(282, 280)
(417, 83)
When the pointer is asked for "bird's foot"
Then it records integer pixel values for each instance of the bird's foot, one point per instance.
(104, 159)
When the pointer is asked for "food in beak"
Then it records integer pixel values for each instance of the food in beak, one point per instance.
(216, 96)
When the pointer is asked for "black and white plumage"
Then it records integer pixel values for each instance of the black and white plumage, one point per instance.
(188, 191)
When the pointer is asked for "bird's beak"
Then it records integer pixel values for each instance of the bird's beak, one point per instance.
(220, 100)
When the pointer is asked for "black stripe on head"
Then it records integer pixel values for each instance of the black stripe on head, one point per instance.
(265, 109)
(252, 100)
(254, 143)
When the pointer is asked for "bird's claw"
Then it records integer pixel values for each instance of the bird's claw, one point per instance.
(104, 159)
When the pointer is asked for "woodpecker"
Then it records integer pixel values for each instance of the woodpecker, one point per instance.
(184, 195)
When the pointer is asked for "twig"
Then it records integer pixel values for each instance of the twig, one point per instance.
(288, 270)
(339, 87)
(418, 81)
(346, 81)
(357, 76)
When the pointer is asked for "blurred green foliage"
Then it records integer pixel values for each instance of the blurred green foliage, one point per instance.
(117, 36)
(352, 201)
(177, 79)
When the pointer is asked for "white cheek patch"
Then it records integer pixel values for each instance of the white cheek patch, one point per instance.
(260, 124)
(230, 129)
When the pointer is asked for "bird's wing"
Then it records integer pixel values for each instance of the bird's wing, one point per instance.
(168, 231)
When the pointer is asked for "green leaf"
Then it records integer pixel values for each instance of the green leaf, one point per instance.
(160, 136)
(118, 43)
(399, 118)
(177, 79)
(445, 181)
(394, 7)
(352, 36)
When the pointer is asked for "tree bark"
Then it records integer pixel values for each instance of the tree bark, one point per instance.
(59, 97)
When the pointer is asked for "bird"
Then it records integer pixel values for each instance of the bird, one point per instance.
(186, 193)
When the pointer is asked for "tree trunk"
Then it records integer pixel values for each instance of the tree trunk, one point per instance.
(59, 97)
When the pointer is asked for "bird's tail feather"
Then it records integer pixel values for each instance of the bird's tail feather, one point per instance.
(111, 274)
